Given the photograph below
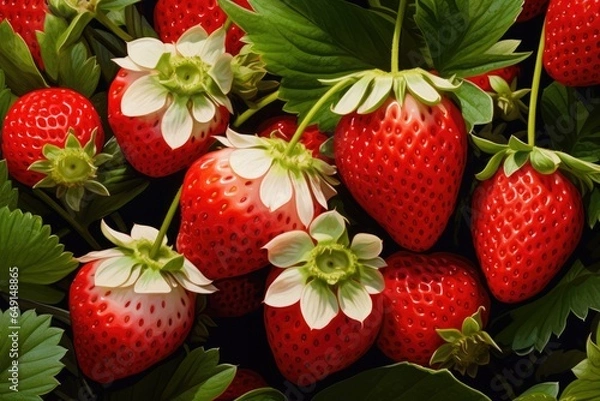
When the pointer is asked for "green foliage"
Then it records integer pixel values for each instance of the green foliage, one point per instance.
(262, 394)
(540, 392)
(8, 195)
(587, 385)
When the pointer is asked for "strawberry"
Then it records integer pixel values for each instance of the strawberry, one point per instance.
(323, 310)
(403, 163)
(234, 201)
(285, 126)
(245, 380)
(531, 9)
(571, 52)
(424, 293)
(173, 17)
(126, 314)
(26, 18)
(525, 226)
(507, 73)
(237, 296)
(165, 109)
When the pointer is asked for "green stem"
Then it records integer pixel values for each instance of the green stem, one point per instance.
(535, 89)
(265, 101)
(118, 220)
(396, 37)
(165, 224)
(313, 111)
(114, 28)
(85, 234)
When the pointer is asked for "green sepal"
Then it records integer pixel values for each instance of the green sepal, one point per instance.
(514, 161)
(174, 264)
(74, 31)
(73, 197)
(507, 98)
(476, 105)
(491, 167)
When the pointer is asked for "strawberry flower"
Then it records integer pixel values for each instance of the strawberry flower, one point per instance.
(130, 264)
(293, 174)
(191, 77)
(326, 272)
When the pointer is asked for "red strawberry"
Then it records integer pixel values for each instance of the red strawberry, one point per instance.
(531, 9)
(131, 308)
(173, 17)
(404, 164)
(237, 296)
(507, 73)
(26, 17)
(284, 127)
(424, 293)
(245, 380)
(524, 228)
(571, 52)
(141, 138)
(45, 117)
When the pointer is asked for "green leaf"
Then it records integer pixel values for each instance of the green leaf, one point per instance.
(462, 35)
(303, 41)
(6, 97)
(593, 210)
(137, 25)
(74, 31)
(540, 392)
(30, 365)
(572, 120)
(401, 382)
(262, 394)
(27, 244)
(106, 47)
(78, 71)
(558, 362)
(9, 196)
(199, 377)
(533, 324)
(582, 390)
(115, 5)
(54, 27)
(21, 73)
(476, 105)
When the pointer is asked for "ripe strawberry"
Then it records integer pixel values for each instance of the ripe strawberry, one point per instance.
(26, 17)
(126, 314)
(524, 228)
(46, 117)
(507, 73)
(285, 126)
(173, 17)
(245, 380)
(424, 293)
(571, 51)
(237, 296)
(404, 164)
(531, 9)
(141, 138)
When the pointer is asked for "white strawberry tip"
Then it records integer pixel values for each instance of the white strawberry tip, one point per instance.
(130, 264)
(190, 78)
(286, 176)
(326, 272)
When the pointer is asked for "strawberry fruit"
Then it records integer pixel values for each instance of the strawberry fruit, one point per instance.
(237, 296)
(26, 17)
(245, 380)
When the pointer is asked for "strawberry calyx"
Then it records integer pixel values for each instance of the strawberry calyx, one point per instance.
(325, 272)
(72, 169)
(516, 153)
(133, 263)
(508, 98)
(288, 173)
(190, 78)
(466, 349)
(248, 73)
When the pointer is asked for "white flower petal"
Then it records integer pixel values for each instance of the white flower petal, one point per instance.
(224, 141)
(366, 246)
(151, 282)
(328, 226)
(203, 109)
(371, 280)
(276, 188)
(318, 305)
(145, 232)
(241, 141)
(304, 201)
(222, 100)
(145, 95)
(323, 167)
(214, 46)
(355, 301)
(222, 73)
(113, 272)
(289, 248)
(114, 236)
(193, 274)
(128, 64)
(177, 123)
(135, 274)
(375, 263)
(250, 163)
(104, 254)
(316, 189)
(191, 42)
(286, 289)
(193, 287)
(146, 52)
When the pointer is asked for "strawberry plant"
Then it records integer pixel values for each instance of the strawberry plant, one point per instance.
(299, 200)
